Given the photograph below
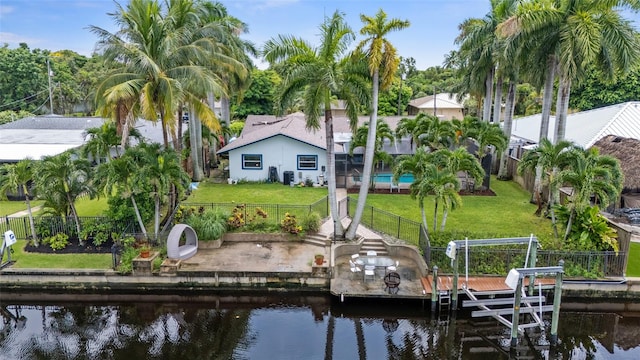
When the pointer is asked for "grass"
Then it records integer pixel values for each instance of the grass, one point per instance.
(509, 214)
(91, 207)
(633, 264)
(10, 207)
(58, 261)
(255, 193)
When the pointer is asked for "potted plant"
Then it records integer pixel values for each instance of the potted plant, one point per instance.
(319, 259)
(145, 251)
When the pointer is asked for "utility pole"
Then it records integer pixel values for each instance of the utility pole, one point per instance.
(49, 74)
(435, 108)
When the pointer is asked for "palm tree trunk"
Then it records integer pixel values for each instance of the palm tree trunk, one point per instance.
(140, 223)
(435, 217)
(569, 224)
(368, 160)
(562, 107)
(156, 222)
(537, 189)
(508, 122)
(424, 219)
(74, 213)
(488, 93)
(195, 151)
(547, 96)
(331, 172)
(445, 213)
(225, 109)
(552, 200)
(497, 102)
(32, 224)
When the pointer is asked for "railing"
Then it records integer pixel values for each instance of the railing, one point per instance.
(57, 224)
(587, 264)
(388, 223)
(275, 212)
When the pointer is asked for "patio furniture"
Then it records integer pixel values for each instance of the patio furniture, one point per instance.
(394, 186)
(393, 268)
(371, 253)
(177, 251)
(354, 257)
(377, 261)
(354, 268)
(369, 271)
(392, 282)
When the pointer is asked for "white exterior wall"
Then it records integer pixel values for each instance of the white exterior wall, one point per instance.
(279, 151)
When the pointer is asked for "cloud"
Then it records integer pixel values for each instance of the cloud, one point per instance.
(5, 10)
(15, 39)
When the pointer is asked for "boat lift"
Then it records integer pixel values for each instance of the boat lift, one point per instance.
(515, 281)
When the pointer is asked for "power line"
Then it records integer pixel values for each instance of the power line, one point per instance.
(26, 98)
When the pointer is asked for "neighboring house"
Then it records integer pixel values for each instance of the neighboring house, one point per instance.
(36, 137)
(282, 145)
(443, 105)
(586, 127)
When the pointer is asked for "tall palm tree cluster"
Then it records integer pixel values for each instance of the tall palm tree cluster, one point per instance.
(440, 155)
(169, 56)
(544, 42)
(142, 171)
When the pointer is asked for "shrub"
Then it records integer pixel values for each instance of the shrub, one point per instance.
(97, 229)
(290, 225)
(126, 260)
(311, 222)
(308, 182)
(236, 220)
(57, 242)
(210, 225)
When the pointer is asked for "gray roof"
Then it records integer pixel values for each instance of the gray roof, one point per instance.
(35, 137)
(260, 127)
(586, 127)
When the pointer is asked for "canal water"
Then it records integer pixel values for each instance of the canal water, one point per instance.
(278, 326)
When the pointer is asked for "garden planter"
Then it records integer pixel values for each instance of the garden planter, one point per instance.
(319, 259)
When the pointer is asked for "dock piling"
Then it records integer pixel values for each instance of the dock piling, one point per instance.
(434, 289)
(557, 297)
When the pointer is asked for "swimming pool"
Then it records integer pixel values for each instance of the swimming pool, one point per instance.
(386, 178)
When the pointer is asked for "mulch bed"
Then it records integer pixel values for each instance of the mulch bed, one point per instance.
(477, 192)
(73, 248)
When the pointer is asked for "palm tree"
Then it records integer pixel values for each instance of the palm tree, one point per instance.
(63, 179)
(18, 176)
(383, 131)
(161, 168)
(550, 159)
(161, 60)
(591, 175)
(415, 165)
(118, 177)
(434, 133)
(381, 55)
(320, 73)
(573, 35)
(488, 137)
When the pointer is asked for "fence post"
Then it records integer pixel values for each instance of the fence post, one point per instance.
(399, 219)
(24, 223)
(277, 212)
(371, 223)
(434, 289)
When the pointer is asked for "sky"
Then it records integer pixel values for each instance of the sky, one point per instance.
(63, 24)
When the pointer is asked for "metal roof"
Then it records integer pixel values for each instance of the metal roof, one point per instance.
(586, 127)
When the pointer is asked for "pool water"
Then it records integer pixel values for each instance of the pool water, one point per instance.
(386, 178)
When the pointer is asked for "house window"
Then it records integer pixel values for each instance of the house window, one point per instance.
(307, 162)
(252, 162)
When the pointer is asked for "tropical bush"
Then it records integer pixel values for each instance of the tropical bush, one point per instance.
(209, 225)
(589, 230)
(57, 242)
(290, 225)
(96, 229)
(311, 222)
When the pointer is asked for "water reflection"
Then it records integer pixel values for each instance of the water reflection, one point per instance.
(290, 327)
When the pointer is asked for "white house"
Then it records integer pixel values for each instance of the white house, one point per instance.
(282, 146)
(443, 105)
(586, 127)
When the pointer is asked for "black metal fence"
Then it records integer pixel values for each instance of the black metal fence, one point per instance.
(388, 223)
(582, 264)
(51, 225)
(275, 212)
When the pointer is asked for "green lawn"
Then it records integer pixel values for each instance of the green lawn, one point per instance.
(255, 193)
(58, 261)
(89, 207)
(633, 264)
(10, 207)
(509, 214)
